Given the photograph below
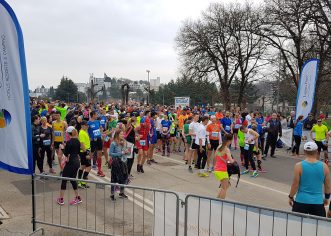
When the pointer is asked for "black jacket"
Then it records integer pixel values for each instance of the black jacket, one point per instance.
(274, 128)
(36, 130)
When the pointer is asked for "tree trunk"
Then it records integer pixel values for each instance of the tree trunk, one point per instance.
(225, 94)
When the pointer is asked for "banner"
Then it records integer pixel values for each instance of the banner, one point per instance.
(306, 90)
(15, 121)
(182, 101)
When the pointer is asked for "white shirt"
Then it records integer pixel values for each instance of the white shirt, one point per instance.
(201, 135)
(158, 123)
(194, 127)
(249, 138)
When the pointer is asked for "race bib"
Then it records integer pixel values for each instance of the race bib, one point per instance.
(172, 129)
(96, 133)
(47, 142)
(57, 133)
(227, 127)
(237, 126)
(215, 134)
(142, 142)
(325, 142)
(165, 129)
(102, 122)
(107, 138)
(246, 147)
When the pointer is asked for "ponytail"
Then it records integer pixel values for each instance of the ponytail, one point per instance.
(227, 137)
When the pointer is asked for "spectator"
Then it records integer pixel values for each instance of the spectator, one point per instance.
(309, 122)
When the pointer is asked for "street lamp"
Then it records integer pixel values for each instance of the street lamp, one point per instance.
(149, 86)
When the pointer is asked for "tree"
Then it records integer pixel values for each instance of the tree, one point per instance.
(66, 91)
(51, 92)
(222, 45)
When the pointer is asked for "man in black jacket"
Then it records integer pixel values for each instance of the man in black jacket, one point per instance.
(274, 128)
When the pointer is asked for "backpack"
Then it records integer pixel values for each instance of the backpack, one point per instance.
(233, 168)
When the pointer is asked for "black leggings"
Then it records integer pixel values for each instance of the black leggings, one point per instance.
(248, 157)
(36, 159)
(311, 209)
(202, 156)
(48, 151)
(296, 147)
(70, 171)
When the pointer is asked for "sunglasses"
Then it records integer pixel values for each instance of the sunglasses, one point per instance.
(319, 121)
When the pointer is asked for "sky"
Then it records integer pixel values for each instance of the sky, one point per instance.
(122, 38)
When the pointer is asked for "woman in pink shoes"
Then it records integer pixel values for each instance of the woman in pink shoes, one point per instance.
(72, 164)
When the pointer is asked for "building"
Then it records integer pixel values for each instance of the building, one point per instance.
(155, 84)
(82, 87)
(39, 92)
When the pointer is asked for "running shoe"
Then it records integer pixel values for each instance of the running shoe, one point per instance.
(141, 169)
(80, 184)
(101, 174)
(245, 172)
(179, 150)
(153, 161)
(106, 163)
(75, 201)
(112, 197)
(52, 171)
(60, 201)
(84, 185)
(255, 174)
(122, 195)
(131, 177)
(186, 162)
(149, 162)
(210, 169)
(260, 170)
(205, 175)
(190, 169)
(201, 174)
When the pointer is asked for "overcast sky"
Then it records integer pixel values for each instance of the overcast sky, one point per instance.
(122, 38)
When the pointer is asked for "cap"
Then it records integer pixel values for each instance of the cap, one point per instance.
(70, 129)
(310, 146)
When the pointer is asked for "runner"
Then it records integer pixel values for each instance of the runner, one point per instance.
(188, 142)
(321, 139)
(85, 158)
(59, 128)
(159, 131)
(297, 133)
(36, 143)
(166, 126)
(274, 130)
(201, 142)
(214, 137)
(46, 144)
(226, 124)
(236, 125)
(311, 178)
(71, 151)
(222, 157)
(94, 131)
(142, 142)
(251, 140)
(193, 129)
(152, 139)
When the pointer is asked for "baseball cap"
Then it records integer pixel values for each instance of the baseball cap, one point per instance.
(70, 129)
(310, 146)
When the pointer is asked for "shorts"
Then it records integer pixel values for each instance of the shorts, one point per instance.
(321, 146)
(235, 131)
(311, 209)
(57, 145)
(83, 160)
(153, 139)
(194, 146)
(96, 145)
(173, 135)
(107, 144)
(220, 175)
(158, 135)
(189, 141)
(140, 147)
(214, 144)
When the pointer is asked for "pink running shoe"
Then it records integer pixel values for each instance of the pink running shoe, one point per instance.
(75, 201)
(60, 201)
(52, 171)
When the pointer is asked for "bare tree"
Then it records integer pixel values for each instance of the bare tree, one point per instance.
(221, 45)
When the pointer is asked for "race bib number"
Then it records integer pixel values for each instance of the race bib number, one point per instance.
(227, 127)
(102, 122)
(172, 129)
(214, 134)
(57, 133)
(237, 126)
(96, 133)
(47, 142)
(142, 142)
(246, 147)
(107, 138)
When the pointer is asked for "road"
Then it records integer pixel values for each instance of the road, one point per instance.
(268, 189)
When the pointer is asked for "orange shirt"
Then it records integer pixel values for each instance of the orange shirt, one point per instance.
(214, 129)
(181, 120)
(219, 115)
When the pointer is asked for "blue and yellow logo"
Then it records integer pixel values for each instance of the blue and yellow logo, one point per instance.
(304, 104)
(5, 118)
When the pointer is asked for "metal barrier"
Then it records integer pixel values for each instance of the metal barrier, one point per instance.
(98, 214)
(210, 216)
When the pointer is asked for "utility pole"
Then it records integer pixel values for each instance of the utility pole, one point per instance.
(278, 80)
(149, 86)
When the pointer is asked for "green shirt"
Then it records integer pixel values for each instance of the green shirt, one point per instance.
(84, 138)
(241, 138)
(63, 111)
(112, 124)
(186, 132)
(320, 132)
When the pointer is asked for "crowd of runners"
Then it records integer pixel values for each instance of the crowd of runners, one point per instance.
(80, 137)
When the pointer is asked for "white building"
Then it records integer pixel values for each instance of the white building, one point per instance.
(82, 87)
(155, 84)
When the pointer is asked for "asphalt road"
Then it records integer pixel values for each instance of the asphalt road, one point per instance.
(268, 189)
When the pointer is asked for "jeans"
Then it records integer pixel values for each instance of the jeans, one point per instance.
(202, 156)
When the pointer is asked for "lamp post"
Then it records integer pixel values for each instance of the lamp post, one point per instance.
(149, 86)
